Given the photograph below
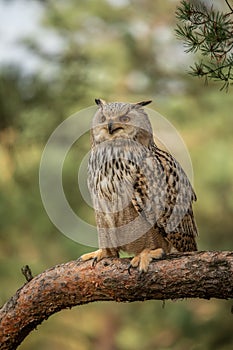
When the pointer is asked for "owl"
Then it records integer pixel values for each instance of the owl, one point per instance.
(141, 196)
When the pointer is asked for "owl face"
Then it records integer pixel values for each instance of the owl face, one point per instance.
(117, 120)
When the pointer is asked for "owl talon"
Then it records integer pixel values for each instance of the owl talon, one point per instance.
(98, 255)
(143, 259)
(141, 272)
(129, 269)
(94, 262)
(95, 256)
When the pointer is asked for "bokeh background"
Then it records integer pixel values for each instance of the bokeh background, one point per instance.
(55, 58)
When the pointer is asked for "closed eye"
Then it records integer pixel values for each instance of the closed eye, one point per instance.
(102, 119)
(124, 118)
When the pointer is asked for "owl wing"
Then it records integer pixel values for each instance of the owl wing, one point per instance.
(163, 195)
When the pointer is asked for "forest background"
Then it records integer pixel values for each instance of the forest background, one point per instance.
(121, 50)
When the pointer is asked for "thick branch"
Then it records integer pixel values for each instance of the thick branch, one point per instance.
(191, 275)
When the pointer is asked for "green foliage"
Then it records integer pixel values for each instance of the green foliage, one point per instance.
(208, 32)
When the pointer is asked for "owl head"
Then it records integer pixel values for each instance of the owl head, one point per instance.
(116, 120)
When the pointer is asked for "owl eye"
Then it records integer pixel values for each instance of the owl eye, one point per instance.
(102, 118)
(124, 118)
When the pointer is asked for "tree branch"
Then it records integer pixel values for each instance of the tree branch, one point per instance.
(231, 9)
(209, 32)
(190, 275)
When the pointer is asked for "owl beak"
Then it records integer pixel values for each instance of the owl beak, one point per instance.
(110, 127)
(113, 127)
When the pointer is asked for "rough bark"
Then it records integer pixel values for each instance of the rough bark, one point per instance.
(190, 275)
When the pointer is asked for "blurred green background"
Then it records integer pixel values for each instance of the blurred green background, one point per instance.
(55, 58)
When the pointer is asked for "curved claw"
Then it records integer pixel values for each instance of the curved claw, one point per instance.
(141, 272)
(94, 262)
(129, 269)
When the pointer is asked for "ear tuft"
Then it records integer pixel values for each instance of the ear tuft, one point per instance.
(100, 102)
(142, 103)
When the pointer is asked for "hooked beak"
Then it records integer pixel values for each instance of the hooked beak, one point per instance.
(113, 127)
(110, 127)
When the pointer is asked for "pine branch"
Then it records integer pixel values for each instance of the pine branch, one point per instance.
(231, 9)
(190, 275)
(209, 33)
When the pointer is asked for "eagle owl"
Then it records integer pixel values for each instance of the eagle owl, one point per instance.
(141, 196)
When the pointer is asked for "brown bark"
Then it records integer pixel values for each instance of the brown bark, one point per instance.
(190, 275)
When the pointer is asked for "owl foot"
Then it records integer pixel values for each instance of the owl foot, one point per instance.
(97, 256)
(143, 259)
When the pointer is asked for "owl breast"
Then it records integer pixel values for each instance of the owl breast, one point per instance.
(118, 184)
(114, 167)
